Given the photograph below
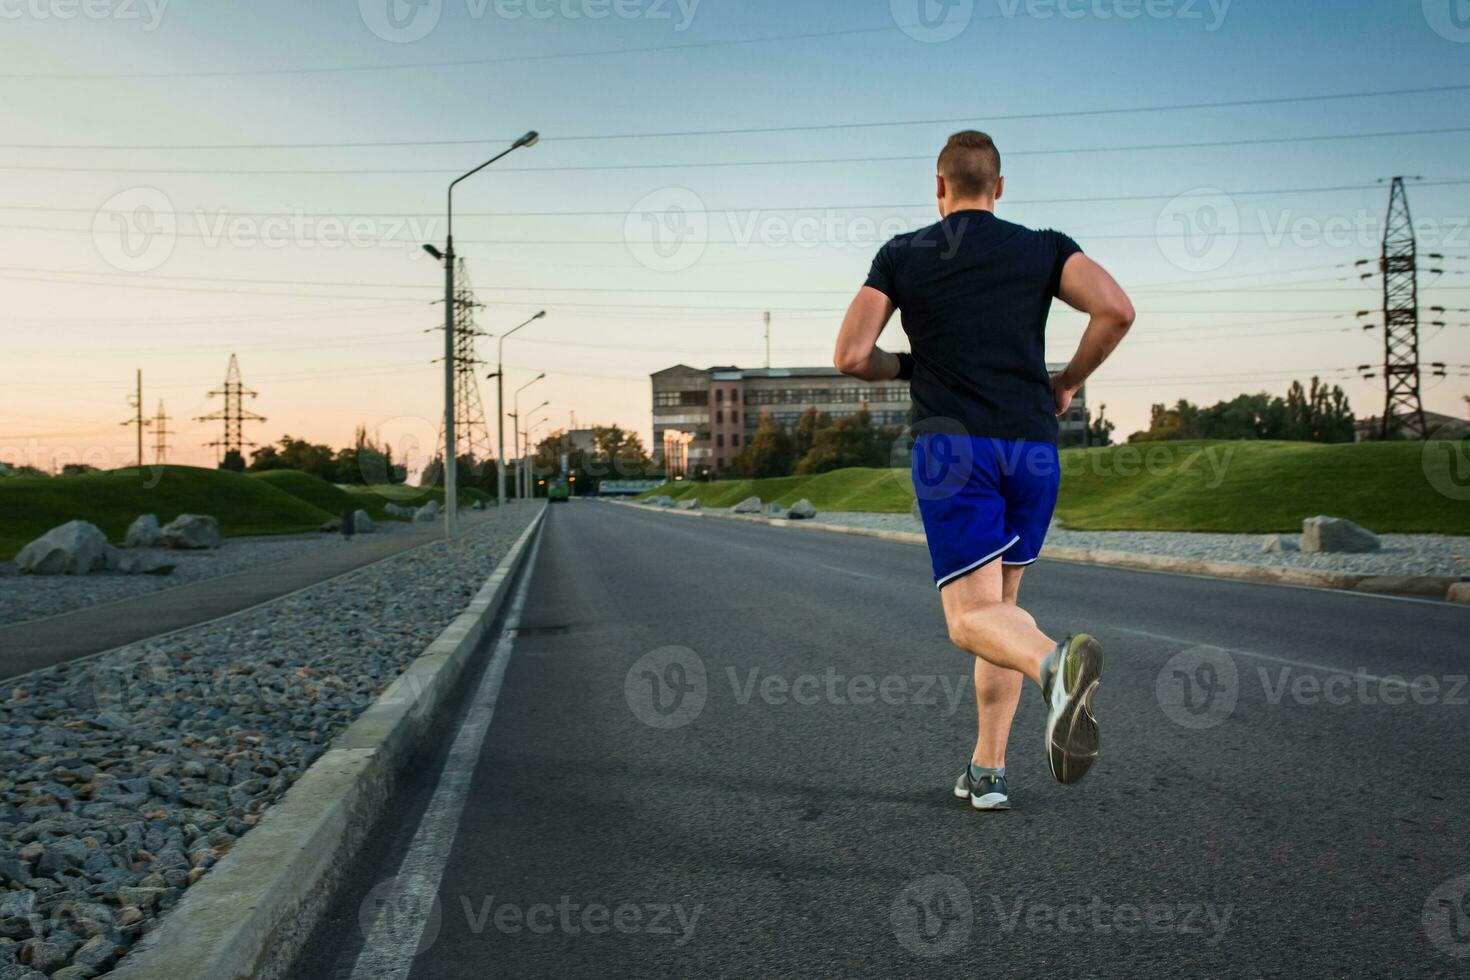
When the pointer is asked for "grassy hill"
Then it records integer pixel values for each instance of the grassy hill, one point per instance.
(373, 499)
(312, 489)
(111, 500)
(1241, 487)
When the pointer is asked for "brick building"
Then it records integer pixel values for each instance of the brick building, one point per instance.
(703, 418)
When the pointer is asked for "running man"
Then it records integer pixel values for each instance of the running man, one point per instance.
(975, 292)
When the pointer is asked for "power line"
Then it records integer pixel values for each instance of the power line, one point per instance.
(727, 209)
(383, 144)
(469, 62)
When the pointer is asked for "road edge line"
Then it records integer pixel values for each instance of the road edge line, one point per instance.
(253, 913)
(1439, 587)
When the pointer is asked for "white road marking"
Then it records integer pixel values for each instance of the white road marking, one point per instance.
(1305, 665)
(848, 571)
(390, 946)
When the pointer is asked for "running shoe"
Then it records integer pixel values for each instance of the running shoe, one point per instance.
(986, 793)
(1071, 728)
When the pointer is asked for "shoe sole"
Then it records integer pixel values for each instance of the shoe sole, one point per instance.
(1072, 740)
(987, 802)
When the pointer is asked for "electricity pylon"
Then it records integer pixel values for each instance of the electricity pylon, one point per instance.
(233, 414)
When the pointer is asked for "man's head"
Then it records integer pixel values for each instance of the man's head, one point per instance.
(969, 173)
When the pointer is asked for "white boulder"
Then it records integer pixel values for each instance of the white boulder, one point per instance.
(1278, 543)
(1335, 534)
(362, 522)
(144, 532)
(802, 510)
(74, 548)
(191, 532)
(750, 505)
(428, 513)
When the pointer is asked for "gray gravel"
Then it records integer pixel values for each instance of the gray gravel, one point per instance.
(25, 597)
(124, 778)
(1402, 554)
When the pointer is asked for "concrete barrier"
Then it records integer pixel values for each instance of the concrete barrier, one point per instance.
(249, 917)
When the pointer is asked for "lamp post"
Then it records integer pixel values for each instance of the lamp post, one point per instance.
(515, 430)
(520, 478)
(499, 377)
(526, 436)
(451, 460)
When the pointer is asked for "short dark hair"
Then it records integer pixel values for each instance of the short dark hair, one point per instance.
(970, 164)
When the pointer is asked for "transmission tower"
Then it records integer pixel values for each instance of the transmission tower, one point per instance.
(472, 435)
(233, 414)
(135, 402)
(161, 433)
(1403, 408)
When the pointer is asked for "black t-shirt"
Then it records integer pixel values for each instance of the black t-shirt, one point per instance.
(975, 292)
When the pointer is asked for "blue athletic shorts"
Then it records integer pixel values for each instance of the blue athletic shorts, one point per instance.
(983, 499)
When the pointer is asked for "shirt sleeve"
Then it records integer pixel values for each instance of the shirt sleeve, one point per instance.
(1065, 249)
(883, 275)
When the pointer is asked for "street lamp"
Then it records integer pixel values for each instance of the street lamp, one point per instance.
(528, 441)
(499, 377)
(519, 466)
(451, 460)
(516, 429)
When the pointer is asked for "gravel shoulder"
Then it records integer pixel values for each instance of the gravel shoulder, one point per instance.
(1402, 554)
(27, 597)
(125, 777)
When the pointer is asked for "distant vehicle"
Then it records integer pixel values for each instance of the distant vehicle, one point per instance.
(557, 489)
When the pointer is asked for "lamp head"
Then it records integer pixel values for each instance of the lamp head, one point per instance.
(530, 139)
(438, 255)
(539, 315)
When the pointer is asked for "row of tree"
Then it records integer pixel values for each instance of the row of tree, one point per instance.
(817, 444)
(362, 463)
(1318, 414)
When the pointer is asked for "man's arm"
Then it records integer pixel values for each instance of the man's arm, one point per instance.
(858, 354)
(1086, 286)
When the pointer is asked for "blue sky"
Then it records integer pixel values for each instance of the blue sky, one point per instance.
(332, 335)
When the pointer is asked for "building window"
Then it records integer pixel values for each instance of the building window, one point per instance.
(735, 439)
(734, 417)
(720, 416)
(720, 440)
(719, 394)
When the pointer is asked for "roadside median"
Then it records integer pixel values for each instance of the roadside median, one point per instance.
(251, 914)
(1446, 588)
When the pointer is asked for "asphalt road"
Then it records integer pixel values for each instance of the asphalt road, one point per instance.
(1282, 791)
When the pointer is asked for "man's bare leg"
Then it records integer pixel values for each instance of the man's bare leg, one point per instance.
(997, 691)
(983, 623)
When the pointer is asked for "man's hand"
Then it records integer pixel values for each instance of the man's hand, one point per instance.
(1061, 395)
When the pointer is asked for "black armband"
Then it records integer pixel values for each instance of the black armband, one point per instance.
(905, 366)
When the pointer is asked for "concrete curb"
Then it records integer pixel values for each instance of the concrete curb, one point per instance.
(249, 917)
(1446, 588)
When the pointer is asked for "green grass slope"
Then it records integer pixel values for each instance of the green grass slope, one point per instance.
(312, 489)
(1237, 487)
(111, 500)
